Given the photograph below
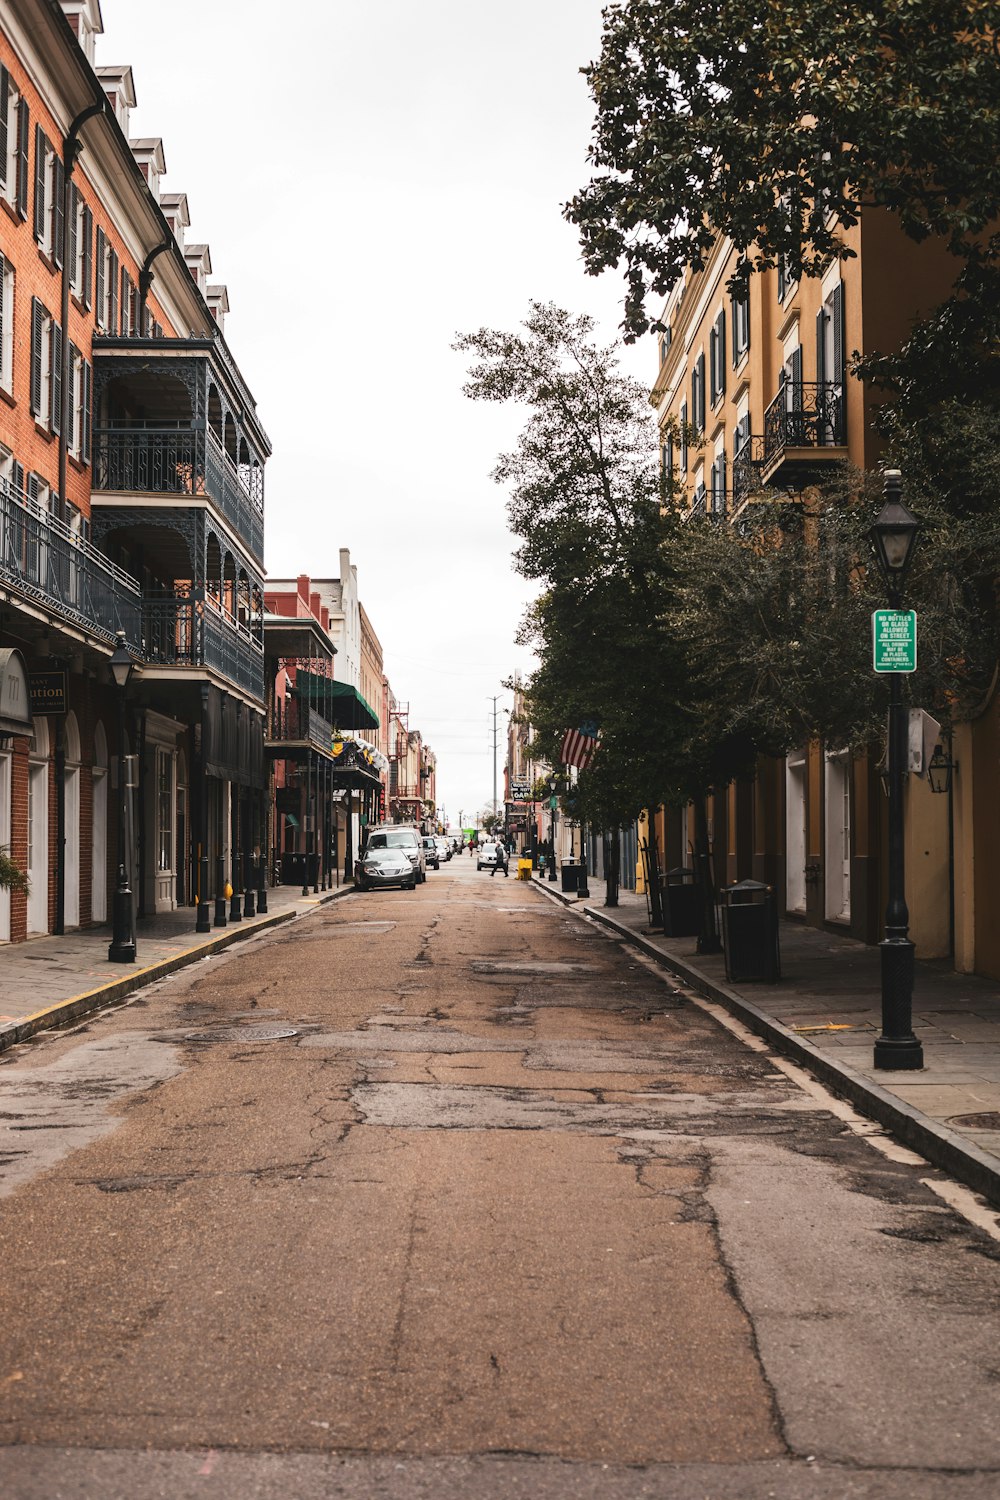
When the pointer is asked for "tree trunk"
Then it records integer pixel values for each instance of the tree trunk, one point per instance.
(708, 940)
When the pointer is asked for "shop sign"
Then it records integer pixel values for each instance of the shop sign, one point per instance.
(48, 692)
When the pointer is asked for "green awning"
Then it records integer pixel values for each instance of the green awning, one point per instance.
(338, 702)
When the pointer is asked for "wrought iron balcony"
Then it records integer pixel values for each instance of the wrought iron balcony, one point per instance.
(712, 504)
(182, 462)
(43, 559)
(801, 422)
(187, 630)
(292, 720)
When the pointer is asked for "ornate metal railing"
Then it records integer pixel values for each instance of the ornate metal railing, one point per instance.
(186, 630)
(292, 719)
(747, 465)
(804, 416)
(182, 461)
(44, 559)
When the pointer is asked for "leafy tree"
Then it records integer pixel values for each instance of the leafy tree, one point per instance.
(778, 125)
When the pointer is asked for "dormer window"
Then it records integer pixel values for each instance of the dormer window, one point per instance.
(84, 16)
(120, 90)
(148, 153)
(199, 263)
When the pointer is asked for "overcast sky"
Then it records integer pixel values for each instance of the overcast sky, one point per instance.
(371, 179)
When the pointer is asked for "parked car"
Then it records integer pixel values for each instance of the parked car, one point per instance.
(399, 836)
(385, 866)
(443, 847)
(486, 856)
(432, 856)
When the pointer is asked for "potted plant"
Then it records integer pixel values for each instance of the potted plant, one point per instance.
(12, 877)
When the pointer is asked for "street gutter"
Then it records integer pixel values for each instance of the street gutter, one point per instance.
(88, 1001)
(941, 1146)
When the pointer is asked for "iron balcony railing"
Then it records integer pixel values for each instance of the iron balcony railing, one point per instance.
(45, 560)
(804, 416)
(182, 461)
(187, 630)
(291, 719)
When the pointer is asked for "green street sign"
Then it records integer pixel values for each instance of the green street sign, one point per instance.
(894, 640)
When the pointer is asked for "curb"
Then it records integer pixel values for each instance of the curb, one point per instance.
(88, 1001)
(941, 1146)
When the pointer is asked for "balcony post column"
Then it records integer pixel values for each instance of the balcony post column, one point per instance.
(250, 855)
(220, 871)
(235, 904)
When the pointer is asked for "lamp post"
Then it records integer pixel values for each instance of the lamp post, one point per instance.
(893, 535)
(122, 947)
(553, 785)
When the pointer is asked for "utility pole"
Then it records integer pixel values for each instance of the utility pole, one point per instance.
(496, 740)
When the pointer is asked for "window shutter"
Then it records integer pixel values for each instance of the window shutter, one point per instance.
(74, 242)
(713, 361)
(23, 137)
(58, 210)
(839, 350)
(821, 350)
(4, 373)
(56, 381)
(4, 106)
(700, 412)
(87, 389)
(670, 458)
(113, 291)
(99, 279)
(125, 304)
(17, 474)
(684, 437)
(41, 147)
(721, 350)
(37, 322)
(88, 237)
(795, 375)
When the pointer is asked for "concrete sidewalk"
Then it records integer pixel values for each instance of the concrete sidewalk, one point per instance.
(49, 981)
(825, 1012)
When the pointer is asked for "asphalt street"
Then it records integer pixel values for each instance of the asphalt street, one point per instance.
(451, 1193)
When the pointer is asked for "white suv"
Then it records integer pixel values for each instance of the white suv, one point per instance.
(399, 836)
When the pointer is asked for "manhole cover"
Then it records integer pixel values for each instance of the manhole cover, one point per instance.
(988, 1120)
(242, 1034)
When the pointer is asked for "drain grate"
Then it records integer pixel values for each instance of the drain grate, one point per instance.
(988, 1120)
(242, 1034)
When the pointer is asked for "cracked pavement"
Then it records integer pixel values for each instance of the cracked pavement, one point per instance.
(435, 1193)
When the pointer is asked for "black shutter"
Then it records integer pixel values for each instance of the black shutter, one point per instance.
(713, 361)
(684, 437)
(58, 210)
(99, 279)
(41, 150)
(721, 350)
(700, 413)
(113, 290)
(821, 350)
(87, 389)
(23, 137)
(37, 326)
(56, 377)
(74, 242)
(839, 350)
(4, 106)
(88, 237)
(18, 477)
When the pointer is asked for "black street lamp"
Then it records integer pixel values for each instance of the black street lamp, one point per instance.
(553, 789)
(893, 535)
(122, 948)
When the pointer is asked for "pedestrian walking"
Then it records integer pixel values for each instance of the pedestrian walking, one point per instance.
(500, 863)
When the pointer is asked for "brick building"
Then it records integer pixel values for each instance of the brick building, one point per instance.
(131, 506)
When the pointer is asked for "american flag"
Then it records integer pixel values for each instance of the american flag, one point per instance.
(579, 746)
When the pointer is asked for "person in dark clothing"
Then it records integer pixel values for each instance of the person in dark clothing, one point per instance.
(500, 862)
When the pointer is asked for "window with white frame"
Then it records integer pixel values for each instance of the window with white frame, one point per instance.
(40, 400)
(717, 357)
(6, 325)
(48, 197)
(10, 110)
(740, 307)
(106, 269)
(718, 479)
(684, 437)
(81, 246)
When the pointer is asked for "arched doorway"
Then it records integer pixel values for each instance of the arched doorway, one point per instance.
(99, 829)
(38, 828)
(71, 803)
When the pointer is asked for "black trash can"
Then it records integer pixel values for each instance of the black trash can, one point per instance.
(293, 869)
(682, 903)
(570, 873)
(750, 932)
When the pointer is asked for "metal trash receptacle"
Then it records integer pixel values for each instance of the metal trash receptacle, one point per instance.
(682, 903)
(570, 874)
(750, 932)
